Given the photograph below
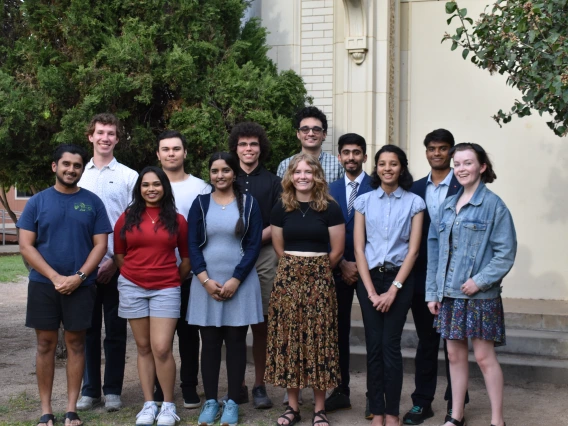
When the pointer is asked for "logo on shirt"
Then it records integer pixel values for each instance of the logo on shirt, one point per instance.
(82, 207)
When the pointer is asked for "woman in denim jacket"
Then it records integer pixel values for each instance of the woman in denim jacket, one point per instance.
(469, 254)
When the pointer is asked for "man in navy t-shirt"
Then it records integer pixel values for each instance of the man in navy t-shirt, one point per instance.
(63, 236)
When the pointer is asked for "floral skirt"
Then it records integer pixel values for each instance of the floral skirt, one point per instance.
(302, 346)
(460, 319)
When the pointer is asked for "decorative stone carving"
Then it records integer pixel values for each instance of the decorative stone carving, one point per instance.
(355, 30)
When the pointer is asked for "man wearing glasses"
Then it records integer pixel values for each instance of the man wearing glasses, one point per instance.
(312, 130)
(250, 143)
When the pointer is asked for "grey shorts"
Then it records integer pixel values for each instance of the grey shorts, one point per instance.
(137, 302)
(266, 266)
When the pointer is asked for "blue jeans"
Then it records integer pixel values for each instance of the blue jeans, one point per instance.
(383, 332)
(114, 344)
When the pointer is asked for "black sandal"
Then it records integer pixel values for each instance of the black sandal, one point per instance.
(454, 421)
(45, 418)
(322, 415)
(291, 421)
(72, 415)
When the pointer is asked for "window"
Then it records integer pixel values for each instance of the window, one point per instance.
(23, 195)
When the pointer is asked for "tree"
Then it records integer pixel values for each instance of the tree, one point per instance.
(528, 41)
(184, 64)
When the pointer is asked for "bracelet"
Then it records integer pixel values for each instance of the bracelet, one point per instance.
(205, 282)
(371, 295)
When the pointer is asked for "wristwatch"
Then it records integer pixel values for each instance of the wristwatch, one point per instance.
(397, 284)
(81, 275)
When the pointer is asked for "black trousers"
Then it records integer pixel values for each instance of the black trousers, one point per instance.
(114, 344)
(345, 294)
(383, 332)
(212, 339)
(426, 360)
(188, 342)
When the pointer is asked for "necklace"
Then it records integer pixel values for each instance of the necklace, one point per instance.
(223, 206)
(151, 218)
(304, 213)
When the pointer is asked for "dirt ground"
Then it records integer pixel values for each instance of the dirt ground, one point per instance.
(525, 405)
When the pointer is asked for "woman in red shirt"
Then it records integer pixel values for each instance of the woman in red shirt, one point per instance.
(146, 237)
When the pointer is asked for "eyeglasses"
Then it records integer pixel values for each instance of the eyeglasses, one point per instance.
(316, 129)
(247, 144)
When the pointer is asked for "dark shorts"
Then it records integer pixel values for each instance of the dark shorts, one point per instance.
(47, 308)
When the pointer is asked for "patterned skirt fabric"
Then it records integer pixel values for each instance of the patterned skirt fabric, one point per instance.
(302, 346)
(466, 318)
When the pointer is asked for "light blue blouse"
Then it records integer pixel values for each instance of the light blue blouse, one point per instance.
(387, 223)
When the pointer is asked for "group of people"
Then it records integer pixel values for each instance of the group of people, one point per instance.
(283, 254)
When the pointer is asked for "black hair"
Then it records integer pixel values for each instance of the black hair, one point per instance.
(311, 112)
(72, 149)
(137, 207)
(250, 129)
(168, 134)
(405, 179)
(233, 162)
(352, 139)
(440, 135)
(488, 175)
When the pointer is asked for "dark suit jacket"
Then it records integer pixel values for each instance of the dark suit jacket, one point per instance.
(419, 188)
(338, 191)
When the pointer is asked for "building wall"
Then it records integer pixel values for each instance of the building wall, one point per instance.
(440, 89)
(434, 88)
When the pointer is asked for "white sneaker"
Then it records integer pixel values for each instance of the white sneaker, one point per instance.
(300, 398)
(112, 403)
(167, 415)
(147, 416)
(88, 403)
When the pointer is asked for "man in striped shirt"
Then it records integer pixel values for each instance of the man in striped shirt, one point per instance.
(311, 125)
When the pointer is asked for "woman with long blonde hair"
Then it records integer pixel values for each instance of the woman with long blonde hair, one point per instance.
(302, 346)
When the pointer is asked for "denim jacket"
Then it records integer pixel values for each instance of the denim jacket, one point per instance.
(485, 252)
(251, 240)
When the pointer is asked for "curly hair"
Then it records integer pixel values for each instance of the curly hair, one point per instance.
(105, 118)
(320, 193)
(250, 129)
(233, 163)
(488, 175)
(168, 211)
(311, 112)
(405, 179)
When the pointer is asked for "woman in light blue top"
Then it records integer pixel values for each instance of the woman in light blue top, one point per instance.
(388, 227)
(469, 253)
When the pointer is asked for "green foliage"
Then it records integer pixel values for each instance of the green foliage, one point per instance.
(12, 268)
(184, 65)
(527, 41)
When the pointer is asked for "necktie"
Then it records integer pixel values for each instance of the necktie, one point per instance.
(352, 196)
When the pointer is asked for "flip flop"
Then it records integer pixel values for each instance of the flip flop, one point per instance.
(72, 415)
(45, 418)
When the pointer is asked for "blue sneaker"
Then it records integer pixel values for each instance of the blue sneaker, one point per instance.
(230, 413)
(209, 413)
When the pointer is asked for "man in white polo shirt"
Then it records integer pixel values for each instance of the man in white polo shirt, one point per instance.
(113, 182)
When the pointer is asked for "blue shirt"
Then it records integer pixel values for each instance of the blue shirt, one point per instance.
(64, 225)
(435, 195)
(387, 223)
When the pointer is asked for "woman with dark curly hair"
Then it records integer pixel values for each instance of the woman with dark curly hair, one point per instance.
(302, 346)
(147, 235)
(386, 236)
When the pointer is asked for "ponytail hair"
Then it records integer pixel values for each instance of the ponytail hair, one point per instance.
(233, 164)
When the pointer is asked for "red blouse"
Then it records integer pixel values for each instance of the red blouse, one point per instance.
(150, 257)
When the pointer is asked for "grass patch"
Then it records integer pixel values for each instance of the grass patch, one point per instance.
(12, 268)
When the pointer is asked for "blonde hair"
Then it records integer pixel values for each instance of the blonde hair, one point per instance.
(320, 193)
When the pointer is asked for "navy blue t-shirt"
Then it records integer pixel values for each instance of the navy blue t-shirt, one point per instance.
(64, 225)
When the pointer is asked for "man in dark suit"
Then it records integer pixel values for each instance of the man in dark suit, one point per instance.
(434, 188)
(352, 156)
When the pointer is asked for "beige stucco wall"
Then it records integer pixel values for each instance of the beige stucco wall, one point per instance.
(443, 90)
(437, 88)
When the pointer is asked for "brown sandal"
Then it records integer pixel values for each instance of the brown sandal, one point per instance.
(322, 415)
(291, 421)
